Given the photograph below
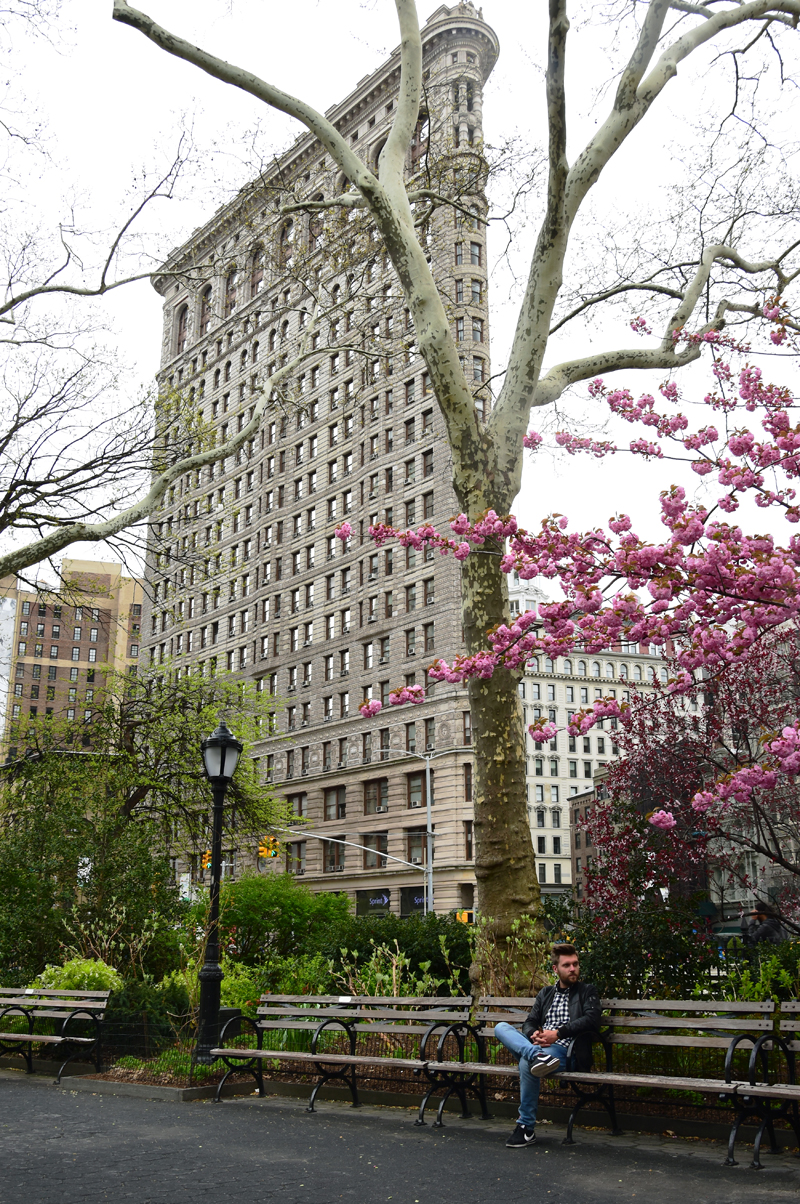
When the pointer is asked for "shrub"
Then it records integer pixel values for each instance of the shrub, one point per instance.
(354, 938)
(79, 974)
(263, 916)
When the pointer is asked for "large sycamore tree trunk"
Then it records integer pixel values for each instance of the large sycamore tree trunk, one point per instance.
(487, 458)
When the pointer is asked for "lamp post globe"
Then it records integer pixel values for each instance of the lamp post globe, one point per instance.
(221, 751)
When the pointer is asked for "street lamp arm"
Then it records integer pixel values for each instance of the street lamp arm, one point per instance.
(351, 844)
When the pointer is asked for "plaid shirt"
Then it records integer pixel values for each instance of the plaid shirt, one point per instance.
(558, 1012)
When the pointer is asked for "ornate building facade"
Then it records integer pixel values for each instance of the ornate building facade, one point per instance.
(245, 570)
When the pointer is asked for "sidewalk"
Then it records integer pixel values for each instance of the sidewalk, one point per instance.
(69, 1147)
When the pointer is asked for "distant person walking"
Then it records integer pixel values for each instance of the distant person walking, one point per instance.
(761, 926)
(566, 1011)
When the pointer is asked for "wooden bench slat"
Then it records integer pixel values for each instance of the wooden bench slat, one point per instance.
(338, 1059)
(672, 1042)
(688, 1005)
(46, 1039)
(33, 992)
(743, 1026)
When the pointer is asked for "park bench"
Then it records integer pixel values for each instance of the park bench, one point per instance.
(671, 1024)
(33, 1016)
(344, 1036)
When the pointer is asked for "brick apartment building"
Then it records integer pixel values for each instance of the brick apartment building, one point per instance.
(53, 646)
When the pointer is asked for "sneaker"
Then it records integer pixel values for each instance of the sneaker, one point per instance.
(543, 1065)
(521, 1137)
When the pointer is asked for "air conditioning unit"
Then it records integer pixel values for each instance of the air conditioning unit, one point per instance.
(372, 577)
(291, 689)
(372, 619)
(342, 765)
(416, 861)
(411, 652)
(430, 747)
(344, 673)
(331, 555)
(380, 810)
(327, 718)
(289, 774)
(415, 803)
(307, 643)
(429, 601)
(303, 773)
(304, 724)
(326, 767)
(345, 631)
(298, 871)
(383, 660)
(374, 455)
(408, 481)
(366, 759)
(345, 713)
(345, 589)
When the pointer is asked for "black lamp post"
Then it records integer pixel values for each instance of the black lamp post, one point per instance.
(221, 752)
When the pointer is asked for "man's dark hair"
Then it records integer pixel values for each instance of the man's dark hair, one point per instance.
(563, 951)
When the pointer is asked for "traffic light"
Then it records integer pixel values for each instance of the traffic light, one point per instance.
(270, 846)
(206, 862)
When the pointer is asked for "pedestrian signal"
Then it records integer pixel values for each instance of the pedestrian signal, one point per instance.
(206, 862)
(269, 847)
(465, 917)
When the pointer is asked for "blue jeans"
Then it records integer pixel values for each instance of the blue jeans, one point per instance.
(529, 1084)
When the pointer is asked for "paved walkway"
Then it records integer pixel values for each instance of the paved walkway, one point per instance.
(68, 1147)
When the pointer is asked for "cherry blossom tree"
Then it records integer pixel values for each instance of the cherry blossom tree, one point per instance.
(699, 285)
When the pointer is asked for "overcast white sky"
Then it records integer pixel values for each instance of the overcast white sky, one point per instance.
(111, 105)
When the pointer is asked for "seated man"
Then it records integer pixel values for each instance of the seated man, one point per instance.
(568, 1010)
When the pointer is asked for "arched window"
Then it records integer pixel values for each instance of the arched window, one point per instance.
(595, 668)
(205, 311)
(548, 665)
(217, 376)
(257, 271)
(272, 338)
(609, 669)
(662, 673)
(231, 287)
(421, 138)
(284, 331)
(637, 672)
(623, 672)
(533, 664)
(228, 371)
(651, 673)
(254, 356)
(181, 329)
(377, 152)
(315, 225)
(286, 244)
(568, 666)
(582, 668)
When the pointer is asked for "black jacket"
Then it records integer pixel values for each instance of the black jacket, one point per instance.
(585, 1014)
(769, 932)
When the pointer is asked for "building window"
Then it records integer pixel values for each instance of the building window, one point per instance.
(376, 796)
(376, 849)
(415, 787)
(333, 856)
(417, 846)
(557, 874)
(542, 868)
(468, 849)
(296, 857)
(335, 803)
(467, 783)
